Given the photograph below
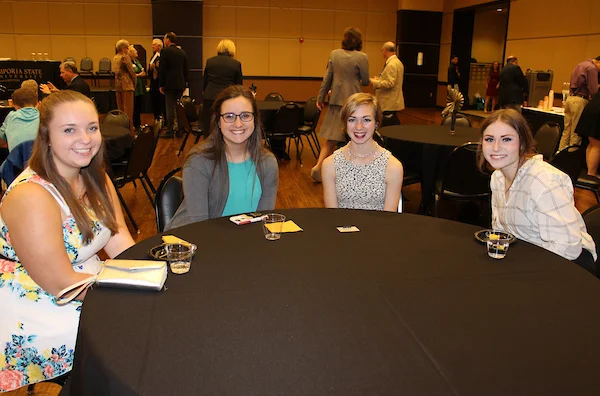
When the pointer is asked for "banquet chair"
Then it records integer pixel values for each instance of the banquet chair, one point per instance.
(462, 180)
(590, 183)
(136, 168)
(85, 67)
(569, 160)
(168, 198)
(274, 97)
(311, 119)
(547, 139)
(461, 121)
(184, 122)
(116, 117)
(69, 59)
(16, 162)
(287, 121)
(591, 217)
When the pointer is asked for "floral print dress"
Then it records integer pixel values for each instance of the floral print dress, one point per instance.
(37, 336)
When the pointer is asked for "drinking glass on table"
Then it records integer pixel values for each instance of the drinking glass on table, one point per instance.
(179, 256)
(272, 226)
(497, 244)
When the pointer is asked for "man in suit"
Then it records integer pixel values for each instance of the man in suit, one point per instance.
(453, 73)
(68, 72)
(172, 75)
(513, 85)
(388, 85)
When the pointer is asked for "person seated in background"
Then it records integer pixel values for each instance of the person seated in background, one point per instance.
(21, 125)
(68, 72)
(54, 218)
(34, 86)
(230, 172)
(362, 175)
(531, 199)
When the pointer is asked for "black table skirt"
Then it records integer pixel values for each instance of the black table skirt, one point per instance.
(410, 305)
(425, 149)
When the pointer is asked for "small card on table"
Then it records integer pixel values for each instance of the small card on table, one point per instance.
(348, 229)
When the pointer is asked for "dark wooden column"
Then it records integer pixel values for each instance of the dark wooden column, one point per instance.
(419, 31)
(184, 18)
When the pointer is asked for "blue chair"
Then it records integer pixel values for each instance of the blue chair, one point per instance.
(16, 161)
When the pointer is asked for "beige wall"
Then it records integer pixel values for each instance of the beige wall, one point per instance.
(267, 32)
(421, 5)
(72, 28)
(573, 36)
(488, 36)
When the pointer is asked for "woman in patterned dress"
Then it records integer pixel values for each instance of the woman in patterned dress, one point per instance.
(54, 218)
(362, 175)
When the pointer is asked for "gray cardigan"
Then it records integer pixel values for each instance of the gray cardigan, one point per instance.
(205, 194)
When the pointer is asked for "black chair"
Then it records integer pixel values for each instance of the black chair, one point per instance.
(547, 139)
(136, 168)
(85, 67)
(462, 180)
(116, 117)
(184, 123)
(590, 183)
(311, 119)
(570, 160)
(461, 121)
(105, 70)
(287, 121)
(168, 198)
(274, 97)
(591, 217)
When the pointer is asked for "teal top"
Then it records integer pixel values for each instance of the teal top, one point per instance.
(140, 86)
(244, 188)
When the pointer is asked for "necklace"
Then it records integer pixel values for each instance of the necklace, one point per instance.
(82, 189)
(371, 154)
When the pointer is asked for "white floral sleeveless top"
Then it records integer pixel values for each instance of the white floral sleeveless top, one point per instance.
(37, 337)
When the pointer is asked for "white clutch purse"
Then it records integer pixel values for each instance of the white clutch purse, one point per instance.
(127, 274)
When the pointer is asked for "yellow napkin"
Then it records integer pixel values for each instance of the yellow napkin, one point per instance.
(288, 226)
(174, 239)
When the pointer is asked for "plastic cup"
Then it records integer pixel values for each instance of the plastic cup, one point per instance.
(272, 226)
(497, 245)
(179, 256)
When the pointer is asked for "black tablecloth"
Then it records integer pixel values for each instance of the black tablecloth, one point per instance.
(425, 149)
(117, 140)
(410, 305)
(14, 72)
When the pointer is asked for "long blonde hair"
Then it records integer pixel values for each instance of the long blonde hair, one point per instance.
(93, 175)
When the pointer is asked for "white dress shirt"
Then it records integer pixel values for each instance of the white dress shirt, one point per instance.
(540, 209)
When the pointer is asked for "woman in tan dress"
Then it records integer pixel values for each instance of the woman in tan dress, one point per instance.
(125, 79)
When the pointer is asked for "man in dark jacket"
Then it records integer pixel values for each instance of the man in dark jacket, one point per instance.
(513, 85)
(68, 72)
(453, 73)
(173, 75)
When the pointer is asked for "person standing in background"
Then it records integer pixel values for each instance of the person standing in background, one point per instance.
(388, 85)
(140, 87)
(173, 76)
(125, 79)
(584, 84)
(453, 73)
(158, 99)
(347, 70)
(513, 85)
(492, 83)
(221, 71)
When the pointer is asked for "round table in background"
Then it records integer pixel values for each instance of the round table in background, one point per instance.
(408, 305)
(117, 140)
(425, 149)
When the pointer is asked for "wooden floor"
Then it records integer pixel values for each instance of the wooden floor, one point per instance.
(296, 190)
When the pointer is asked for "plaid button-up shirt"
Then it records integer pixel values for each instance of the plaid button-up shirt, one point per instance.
(539, 208)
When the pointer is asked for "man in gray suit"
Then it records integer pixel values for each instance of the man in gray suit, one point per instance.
(388, 85)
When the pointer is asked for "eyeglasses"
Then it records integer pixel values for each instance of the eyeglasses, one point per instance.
(230, 118)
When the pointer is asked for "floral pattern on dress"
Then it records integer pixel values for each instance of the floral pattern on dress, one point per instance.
(21, 363)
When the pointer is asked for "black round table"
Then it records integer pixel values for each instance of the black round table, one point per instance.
(409, 305)
(117, 140)
(425, 150)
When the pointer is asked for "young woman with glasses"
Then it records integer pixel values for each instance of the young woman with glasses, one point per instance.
(230, 172)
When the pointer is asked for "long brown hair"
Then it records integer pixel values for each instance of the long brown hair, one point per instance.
(515, 120)
(214, 147)
(93, 175)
